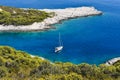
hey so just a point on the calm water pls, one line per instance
(89, 39)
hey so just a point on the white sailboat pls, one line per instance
(60, 47)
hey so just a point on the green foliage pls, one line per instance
(19, 65)
(16, 16)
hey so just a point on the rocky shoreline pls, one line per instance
(112, 61)
(60, 14)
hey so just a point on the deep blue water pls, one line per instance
(92, 40)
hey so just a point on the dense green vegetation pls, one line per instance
(17, 16)
(19, 65)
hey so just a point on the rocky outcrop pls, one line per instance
(60, 14)
(112, 61)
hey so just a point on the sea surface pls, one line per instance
(92, 40)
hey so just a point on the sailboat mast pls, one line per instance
(59, 39)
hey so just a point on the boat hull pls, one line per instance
(58, 49)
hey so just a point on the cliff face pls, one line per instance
(19, 65)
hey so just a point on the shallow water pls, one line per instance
(88, 39)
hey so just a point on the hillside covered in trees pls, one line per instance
(17, 16)
(19, 65)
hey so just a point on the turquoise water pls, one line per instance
(92, 40)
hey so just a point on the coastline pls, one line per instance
(37, 56)
(60, 14)
(42, 58)
(107, 63)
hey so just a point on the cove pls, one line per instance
(92, 40)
